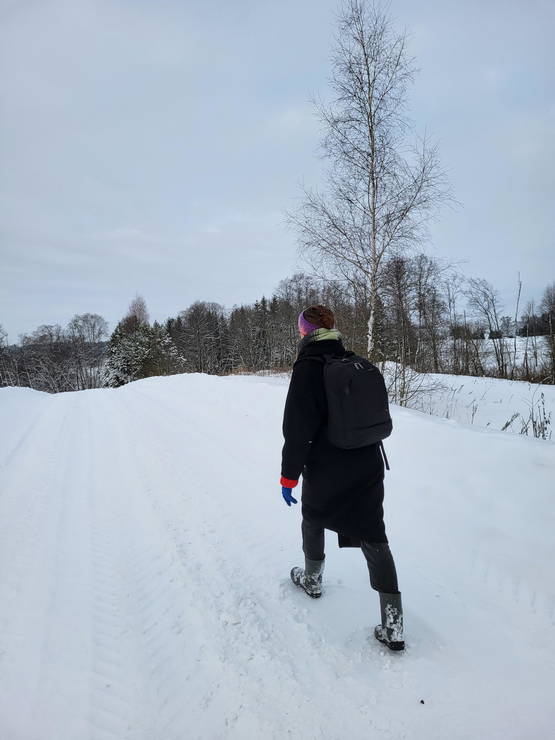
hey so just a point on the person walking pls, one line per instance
(342, 489)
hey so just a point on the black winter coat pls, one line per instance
(342, 489)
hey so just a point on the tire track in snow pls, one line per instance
(38, 415)
(145, 601)
(24, 509)
(113, 663)
(165, 659)
(179, 671)
(208, 591)
(61, 703)
(69, 629)
(40, 639)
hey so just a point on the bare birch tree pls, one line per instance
(484, 300)
(380, 190)
(86, 334)
(547, 305)
(138, 309)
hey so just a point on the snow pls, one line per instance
(485, 402)
(144, 591)
(517, 350)
(519, 353)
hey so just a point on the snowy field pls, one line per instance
(487, 402)
(144, 590)
(519, 352)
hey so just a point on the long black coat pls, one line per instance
(342, 489)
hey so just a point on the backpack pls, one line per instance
(358, 407)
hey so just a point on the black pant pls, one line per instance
(381, 566)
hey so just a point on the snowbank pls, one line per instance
(493, 403)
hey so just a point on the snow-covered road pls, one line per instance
(144, 591)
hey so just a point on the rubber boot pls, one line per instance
(309, 579)
(390, 631)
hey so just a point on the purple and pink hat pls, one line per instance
(305, 327)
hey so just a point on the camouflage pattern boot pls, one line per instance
(390, 631)
(309, 579)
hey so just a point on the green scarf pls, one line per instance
(320, 334)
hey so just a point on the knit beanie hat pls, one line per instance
(315, 317)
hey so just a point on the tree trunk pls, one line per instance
(371, 348)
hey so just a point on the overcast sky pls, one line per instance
(152, 147)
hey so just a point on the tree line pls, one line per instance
(427, 318)
(56, 359)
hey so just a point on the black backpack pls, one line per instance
(358, 407)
